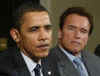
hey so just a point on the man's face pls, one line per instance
(74, 35)
(35, 35)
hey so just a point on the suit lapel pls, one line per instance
(89, 63)
(19, 64)
(22, 72)
(46, 69)
(65, 66)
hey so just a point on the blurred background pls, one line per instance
(55, 7)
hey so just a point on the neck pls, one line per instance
(35, 59)
(71, 52)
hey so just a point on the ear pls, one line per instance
(15, 35)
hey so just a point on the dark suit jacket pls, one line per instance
(97, 50)
(12, 64)
(66, 68)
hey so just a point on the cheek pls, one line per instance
(29, 41)
(31, 38)
(29, 45)
(49, 37)
(67, 37)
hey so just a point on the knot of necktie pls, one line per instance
(78, 62)
(37, 70)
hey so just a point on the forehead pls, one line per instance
(36, 17)
(77, 20)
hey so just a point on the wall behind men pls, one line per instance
(56, 8)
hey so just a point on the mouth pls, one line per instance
(44, 46)
(76, 42)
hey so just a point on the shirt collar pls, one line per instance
(29, 62)
(69, 55)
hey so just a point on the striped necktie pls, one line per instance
(37, 70)
(80, 68)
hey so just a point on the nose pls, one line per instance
(77, 35)
(43, 35)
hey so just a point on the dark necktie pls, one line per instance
(37, 70)
(80, 68)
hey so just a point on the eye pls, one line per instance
(84, 31)
(48, 27)
(71, 27)
(33, 29)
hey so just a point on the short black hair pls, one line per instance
(79, 11)
(22, 9)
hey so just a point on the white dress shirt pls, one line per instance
(30, 64)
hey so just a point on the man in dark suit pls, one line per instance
(32, 32)
(76, 26)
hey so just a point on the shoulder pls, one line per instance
(89, 54)
(91, 57)
(6, 63)
(7, 56)
(52, 57)
(92, 62)
(7, 53)
(55, 50)
(50, 62)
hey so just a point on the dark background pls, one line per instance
(6, 8)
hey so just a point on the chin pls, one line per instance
(43, 55)
(75, 52)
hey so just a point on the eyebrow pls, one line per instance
(48, 25)
(35, 26)
(71, 25)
